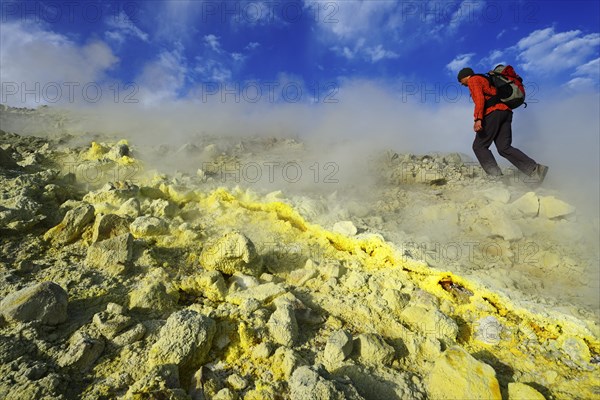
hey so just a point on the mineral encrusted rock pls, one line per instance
(458, 375)
(373, 350)
(551, 207)
(184, 340)
(338, 348)
(82, 353)
(72, 225)
(107, 226)
(521, 391)
(283, 326)
(148, 226)
(306, 384)
(232, 253)
(45, 302)
(112, 255)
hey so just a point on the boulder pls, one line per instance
(458, 375)
(111, 255)
(527, 205)
(130, 208)
(209, 284)
(551, 207)
(283, 326)
(338, 348)
(521, 391)
(45, 302)
(148, 226)
(232, 253)
(152, 297)
(306, 384)
(430, 322)
(110, 324)
(184, 340)
(107, 226)
(6, 161)
(71, 227)
(373, 350)
(82, 353)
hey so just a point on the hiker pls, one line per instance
(493, 124)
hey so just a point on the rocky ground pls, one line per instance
(138, 271)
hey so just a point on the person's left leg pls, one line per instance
(503, 143)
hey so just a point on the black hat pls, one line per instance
(463, 73)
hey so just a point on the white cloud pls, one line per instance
(459, 62)
(549, 52)
(122, 26)
(176, 20)
(252, 46)
(350, 20)
(379, 53)
(462, 15)
(212, 41)
(212, 70)
(494, 58)
(591, 68)
(30, 55)
(163, 78)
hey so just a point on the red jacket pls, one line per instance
(481, 90)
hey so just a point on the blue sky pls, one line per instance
(183, 49)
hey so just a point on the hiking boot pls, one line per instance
(540, 172)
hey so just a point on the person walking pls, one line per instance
(493, 125)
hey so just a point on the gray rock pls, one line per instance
(232, 253)
(306, 384)
(118, 151)
(374, 350)
(184, 340)
(111, 255)
(162, 381)
(132, 335)
(109, 324)
(82, 353)
(283, 326)
(148, 226)
(107, 226)
(45, 302)
(6, 161)
(72, 225)
(130, 208)
(153, 298)
(338, 347)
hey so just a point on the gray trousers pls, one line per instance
(497, 129)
